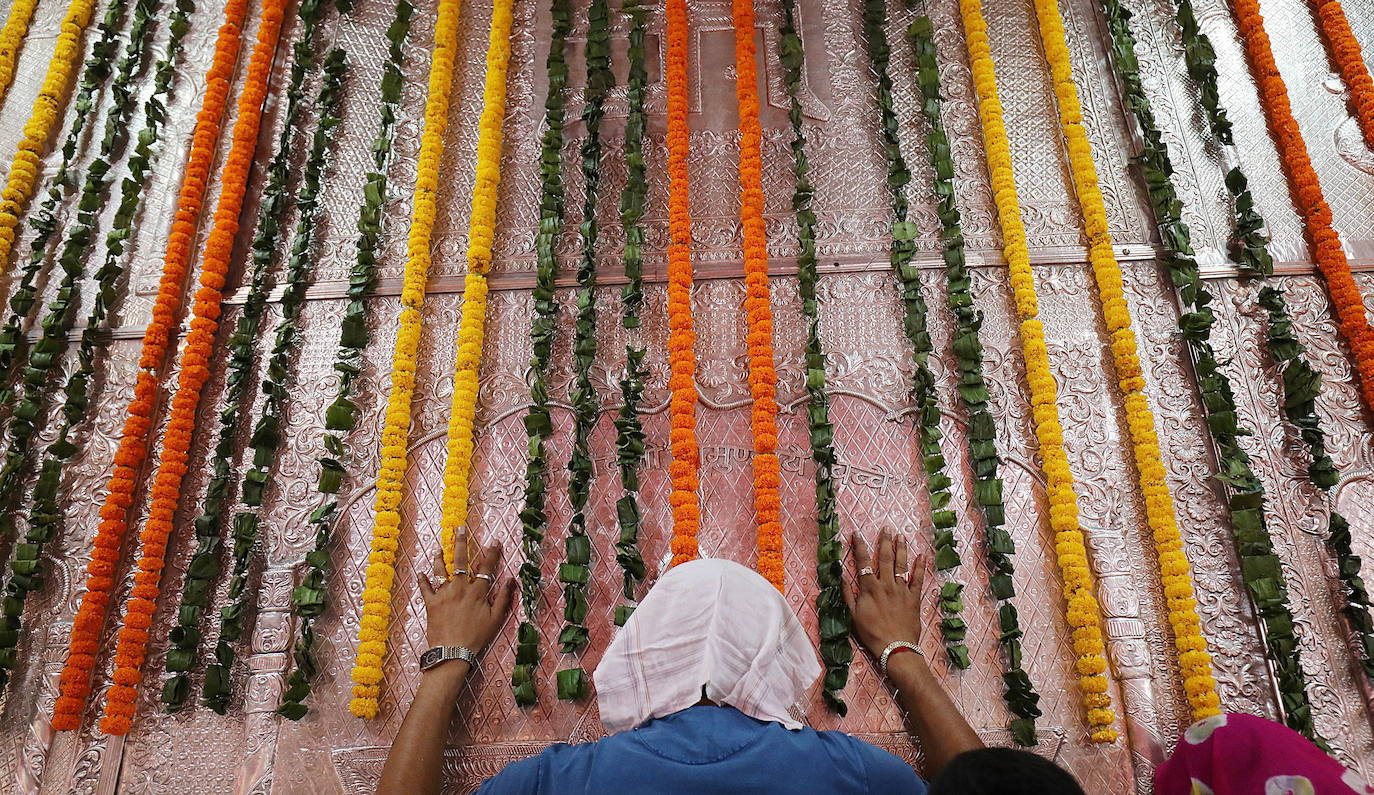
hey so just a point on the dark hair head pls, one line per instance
(1003, 771)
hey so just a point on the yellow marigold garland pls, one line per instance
(376, 613)
(481, 233)
(1083, 612)
(12, 40)
(46, 115)
(1194, 660)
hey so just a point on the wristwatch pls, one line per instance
(440, 654)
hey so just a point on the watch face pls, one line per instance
(430, 658)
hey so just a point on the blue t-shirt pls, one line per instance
(710, 749)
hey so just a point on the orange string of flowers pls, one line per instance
(195, 371)
(75, 681)
(763, 377)
(1345, 52)
(1307, 195)
(682, 362)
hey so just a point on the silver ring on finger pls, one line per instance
(905, 577)
(866, 570)
(482, 575)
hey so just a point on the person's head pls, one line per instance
(1243, 753)
(711, 624)
(1003, 771)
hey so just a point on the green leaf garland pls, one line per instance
(1020, 695)
(1261, 567)
(1249, 248)
(575, 571)
(534, 520)
(915, 326)
(309, 598)
(203, 571)
(835, 623)
(629, 439)
(267, 431)
(30, 406)
(44, 222)
(26, 565)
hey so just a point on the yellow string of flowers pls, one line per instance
(481, 232)
(46, 114)
(1175, 572)
(1083, 612)
(12, 40)
(381, 561)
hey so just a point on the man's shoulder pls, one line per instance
(884, 768)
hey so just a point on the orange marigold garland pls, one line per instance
(763, 377)
(1349, 61)
(176, 442)
(1307, 195)
(682, 363)
(75, 681)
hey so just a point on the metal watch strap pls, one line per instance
(891, 647)
(439, 654)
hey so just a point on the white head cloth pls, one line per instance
(708, 622)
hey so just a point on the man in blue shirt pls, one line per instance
(700, 679)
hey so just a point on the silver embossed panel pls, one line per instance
(251, 750)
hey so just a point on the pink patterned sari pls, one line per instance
(1236, 754)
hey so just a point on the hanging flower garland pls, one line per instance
(26, 566)
(471, 329)
(376, 608)
(12, 40)
(132, 648)
(44, 221)
(629, 439)
(575, 571)
(1349, 60)
(75, 680)
(29, 398)
(1195, 663)
(1301, 383)
(1260, 566)
(372, 632)
(1307, 195)
(914, 324)
(1020, 695)
(202, 573)
(308, 599)
(267, 435)
(763, 377)
(538, 423)
(47, 113)
(682, 362)
(835, 623)
(1083, 613)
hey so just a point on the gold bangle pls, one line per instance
(893, 646)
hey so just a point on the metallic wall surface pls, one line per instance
(251, 750)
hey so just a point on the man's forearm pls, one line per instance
(936, 722)
(414, 765)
